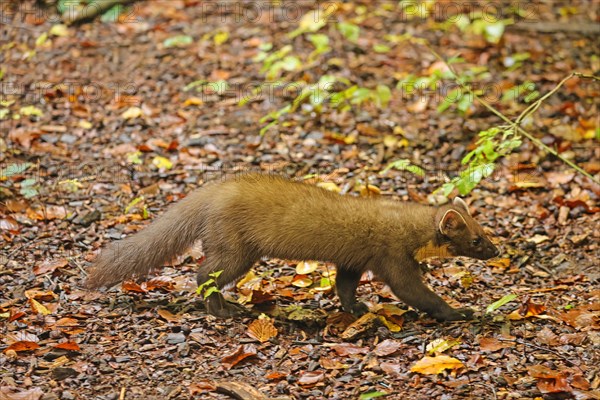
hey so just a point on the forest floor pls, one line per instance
(105, 124)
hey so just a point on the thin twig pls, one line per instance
(528, 110)
(535, 346)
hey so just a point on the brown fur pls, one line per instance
(251, 216)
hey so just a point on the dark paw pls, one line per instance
(457, 314)
(359, 309)
(224, 309)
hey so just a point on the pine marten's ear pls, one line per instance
(460, 203)
(451, 221)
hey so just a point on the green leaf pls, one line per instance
(14, 169)
(215, 274)
(29, 188)
(493, 32)
(133, 203)
(381, 48)
(319, 40)
(497, 304)
(207, 283)
(349, 31)
(404, 165)
(371, 395)
(210, 290)
(178, 41)
(194, 84)
(384, 95)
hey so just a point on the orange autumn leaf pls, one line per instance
(130, 286)
(262, 329)
(70, 346)
(435, 365)
(22, 345)
(528, 309)
(240, 354)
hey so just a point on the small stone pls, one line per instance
(175, 338)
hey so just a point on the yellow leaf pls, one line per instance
(162, 162)
(193, 101)
(329, 186)
(132, 113)
(306, 267)
(435, 365)
(85, 124)
(59, 30)
(440, 345)
(220, 38)
(302, 281)
(38, 307)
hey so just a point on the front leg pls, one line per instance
(408, 286)
(345, 284)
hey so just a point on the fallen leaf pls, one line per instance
(493, 344)
(346, 349)
(70, 346)
(9, 393)
(262, 329)
(306, 267)
(132, 113)
(22, 346)
(169, 316)
(387, 347)
(49, 266)
(38, 307)
(130, 286)
(243, 352)
(310, 378)
(440, 345)
(548, 380)
(435, 365)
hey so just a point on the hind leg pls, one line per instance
(232, 269)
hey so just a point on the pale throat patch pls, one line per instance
(430, 250)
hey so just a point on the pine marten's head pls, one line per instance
(463, 235)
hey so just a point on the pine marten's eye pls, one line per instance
(477, 241)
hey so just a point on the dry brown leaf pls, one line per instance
(387, 347)
(262, 329)
(168, 315)
(493, 344)
(346, 349)
(243, 352)
(549, 381)
(311, 378)
(49, 266)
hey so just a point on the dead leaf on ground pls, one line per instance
(493, 344)
(387, 347)
(548, 380)
(22, 346)
(436, 365)
(311, 378)
(243, 352)
(262, 329)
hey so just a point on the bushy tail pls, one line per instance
(167, 237)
